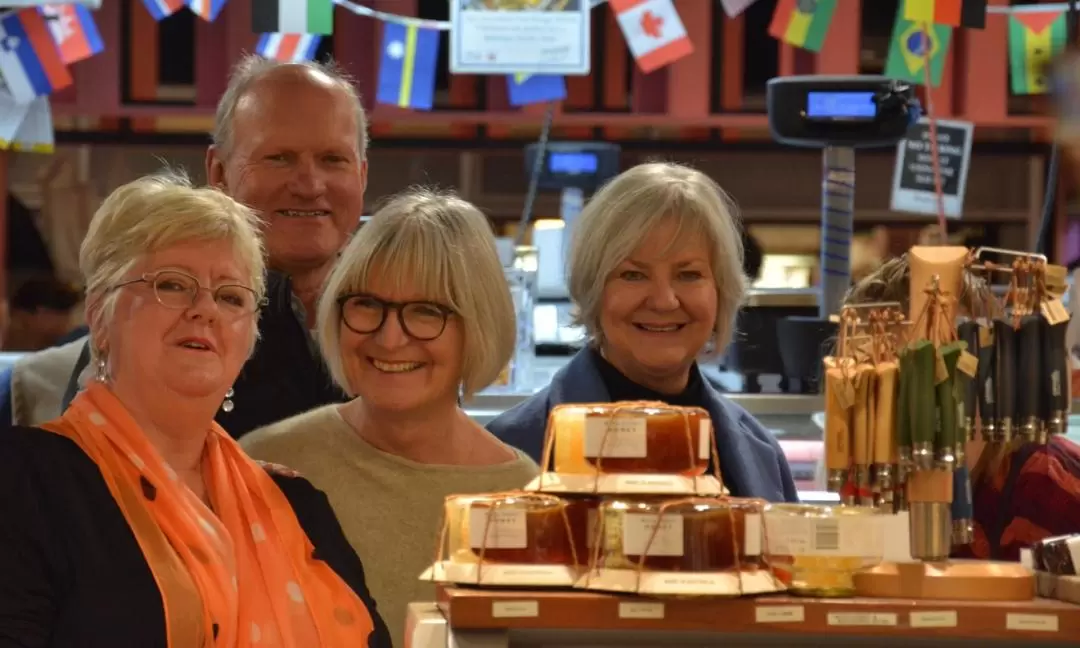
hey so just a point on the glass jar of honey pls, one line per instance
(631, 437)
(817, 550)
(680, 535)
(513, 528)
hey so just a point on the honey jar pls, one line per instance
(631, 437)
(514, 528)
(680, 535)
(817, 550)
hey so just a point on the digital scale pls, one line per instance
(838, 114)
(575, 169)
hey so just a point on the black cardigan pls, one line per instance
(72, 574)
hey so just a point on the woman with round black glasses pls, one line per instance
(416, 313)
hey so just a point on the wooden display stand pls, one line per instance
(791, 621)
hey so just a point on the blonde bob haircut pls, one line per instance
(442, 247)
(626, 211)
(151, 214)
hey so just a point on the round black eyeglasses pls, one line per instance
(421, 320)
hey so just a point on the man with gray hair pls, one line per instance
(290, 141)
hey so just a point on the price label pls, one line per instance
(779, 614)
(933, 619)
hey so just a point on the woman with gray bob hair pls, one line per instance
(172, 535)
(655, 270)
(416, 313)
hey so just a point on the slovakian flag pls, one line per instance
(208, 10)
(653, 32)
(73, 30)
(288, 48)
(292, 17)
(802, 23)
(955, 13)
(535, 88)
(162, 9)
(29, 59)
(407, 70)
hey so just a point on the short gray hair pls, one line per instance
(154, 213)
(251, 68)
(446, 246)
(625, 212)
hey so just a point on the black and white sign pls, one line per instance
(914, 189)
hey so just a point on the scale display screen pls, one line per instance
(574, 163)
(841, 105)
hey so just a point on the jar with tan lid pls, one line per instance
(642, 437)
(680, 546)
(817, 550)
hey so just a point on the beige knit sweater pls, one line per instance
(389, 507)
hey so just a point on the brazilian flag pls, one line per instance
(907, 52)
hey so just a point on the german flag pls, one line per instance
(955, 13)
(802, 23)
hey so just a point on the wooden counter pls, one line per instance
(1039, 620)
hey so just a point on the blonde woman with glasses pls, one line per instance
(416, 313)
(134, 519)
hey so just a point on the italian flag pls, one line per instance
(802, 23)
(292, 17)
(1035, 38)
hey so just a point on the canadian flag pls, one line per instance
(653, 32)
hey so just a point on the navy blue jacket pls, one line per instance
(751, 461)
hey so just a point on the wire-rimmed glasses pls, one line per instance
(179, 291)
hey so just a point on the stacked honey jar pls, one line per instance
(630, 500)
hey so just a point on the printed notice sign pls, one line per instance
(914, 189)
(513, 37)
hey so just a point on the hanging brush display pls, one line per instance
(861, 394)
(944, 389)
(1023, 360)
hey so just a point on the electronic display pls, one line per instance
(840, 105)
(572, 162)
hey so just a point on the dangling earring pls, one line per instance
(101, 372)
(228, 405)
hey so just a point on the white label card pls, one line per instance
(933, 619)
(705, 439)
(506, 529)
(638, 531)
(779, 614)
(752, 541)
(636, 610)
(1038, 622)
(862, 618)
(619, 437)
(838, 536)
(515, 609)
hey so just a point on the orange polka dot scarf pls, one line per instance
(241, 575)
